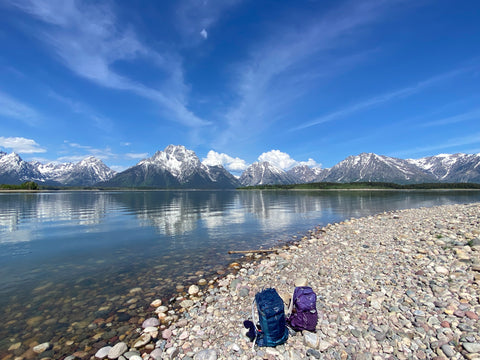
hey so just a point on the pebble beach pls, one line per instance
(397, 285)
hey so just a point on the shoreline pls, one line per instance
(401, 284)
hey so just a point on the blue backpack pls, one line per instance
(272, 329)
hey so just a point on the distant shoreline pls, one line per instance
(240, 189)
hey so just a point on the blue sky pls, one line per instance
(238, 81)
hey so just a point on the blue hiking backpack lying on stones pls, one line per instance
(272, 329)
(302, 312)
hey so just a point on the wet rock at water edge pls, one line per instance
(117, 350)
(142, 340)
(150, 322)
(41, 348)
(102, 353)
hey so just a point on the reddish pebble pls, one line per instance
(445, 324)
(471, 315)
(167, 334)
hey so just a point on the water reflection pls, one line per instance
(23, 217)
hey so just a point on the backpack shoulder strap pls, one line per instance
(290, 306)
(253, 313)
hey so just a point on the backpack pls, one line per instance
(271, 319)
(303, 309)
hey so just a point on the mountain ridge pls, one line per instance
(178, 167)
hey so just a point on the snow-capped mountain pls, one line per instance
(178, 167)
(451, 167)
(264, 173)
(305, 174)
(14, 170)
(175, 167)
(87, 172)
(373, 167)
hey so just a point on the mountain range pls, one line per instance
(89, 171)
(178, 167)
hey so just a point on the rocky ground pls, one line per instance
(398, 285)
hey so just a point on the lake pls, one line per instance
(69, 257)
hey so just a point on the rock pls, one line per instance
(117, 350)
(186, 304)
(156, 354)
(142, 340)
(129, 354)
(202, 282)
(310, 339)
(193, 290)
(448, 350)
(41, 348)
(243, 292)
(172, 352)
(161, 309)
(314, 353)
(301, 282)
(208, 354)
(441, 270)
(167, 334)
(102, 353)
(324, 345)
(15, 346)
(471, 315)
(471, 347)
(156, 303)
(376, 300)
(150, 322)
(151, 330)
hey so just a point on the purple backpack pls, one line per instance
(303, 309)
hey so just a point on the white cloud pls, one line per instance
(204, 34)
(310, 163)
(233, 164)
(12, 108)
(284, 161)
(21, 145)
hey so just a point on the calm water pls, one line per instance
(93, 246)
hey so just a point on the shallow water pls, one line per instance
(65, 255)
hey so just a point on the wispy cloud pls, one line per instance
(77, 152)
(470, 115)
(383, 98)
(15, 109)
(100, 121)
(87, 39)
(21, 145)
(449, 144)
(136, 155)
(281, 68)
(194, 18)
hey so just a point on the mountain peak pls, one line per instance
(263, 173)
